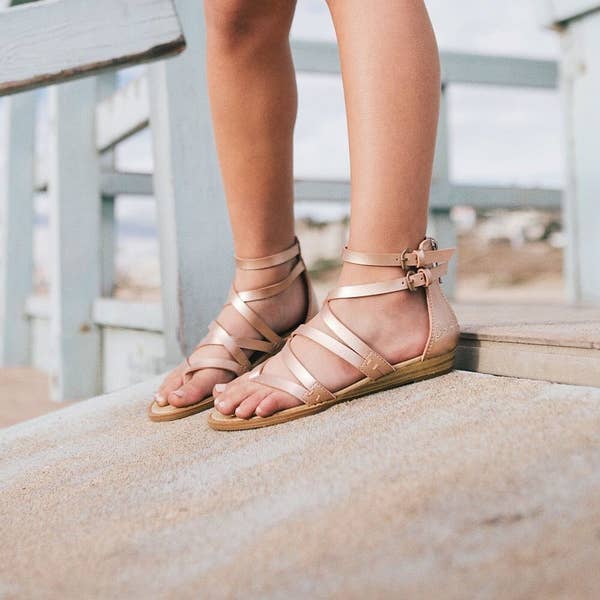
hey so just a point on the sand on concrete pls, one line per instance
(467, 486)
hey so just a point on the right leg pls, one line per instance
(253, 97)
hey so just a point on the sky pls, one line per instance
(503, 136)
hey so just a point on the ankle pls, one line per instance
(251, 279)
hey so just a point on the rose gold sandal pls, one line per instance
(262, 349)
(423, 268)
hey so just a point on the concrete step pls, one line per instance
(555, 343)
(464, 486)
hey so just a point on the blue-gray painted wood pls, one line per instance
(51, 41)
(16, 226)
(457, 67)
(581, 93)
(195, 240)
(75, 225)
(106, 86)
(440, 224)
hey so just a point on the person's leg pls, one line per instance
(253, 98)
(391, 76)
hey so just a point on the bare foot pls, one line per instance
(396, 325)
(281, 313)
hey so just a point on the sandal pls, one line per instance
(424, 268)
(270, 344)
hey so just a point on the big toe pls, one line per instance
(192, 392)
(170, 383)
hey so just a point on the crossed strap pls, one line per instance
(430, 263)
(238, 362)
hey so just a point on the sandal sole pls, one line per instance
(406, 372)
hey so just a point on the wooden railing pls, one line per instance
(80, 329)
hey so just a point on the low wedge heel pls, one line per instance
(260, 349)
(423, 268)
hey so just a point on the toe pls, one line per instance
(189, 393)
(274, 402)
(234, 395)
(170, 383)
(247, 407)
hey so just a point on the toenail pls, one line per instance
(159, 399)
(219, 387)
(258, 411)
(179, 393)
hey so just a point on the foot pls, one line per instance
(395, 325)
(282, 313)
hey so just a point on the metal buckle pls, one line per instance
(403, 258)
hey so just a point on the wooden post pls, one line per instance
(440, 223)
(195, 240)
(581, 91)
(107, 84)
(17, 148)
(75, 237)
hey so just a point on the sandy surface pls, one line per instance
(24, 394)
(468, 486)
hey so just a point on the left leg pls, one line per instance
(391, 76)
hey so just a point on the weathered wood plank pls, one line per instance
(107, 83)
(457, 67)
(581, 90)
(440, 225)
(122, 114)
(54, 40)
(195, 240)
(76, 241)
(16, 226)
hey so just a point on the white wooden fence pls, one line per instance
(91, 342)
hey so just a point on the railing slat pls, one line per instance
(195, 240)
(75, 237)
(16, 226)
(123, 113)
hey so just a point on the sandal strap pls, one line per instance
(406, 259)
(373, 365)
(315, 394)
(430, 264)
(251, 264)
(276, 288)
(218, 335)
(424, 277)
(212, 363)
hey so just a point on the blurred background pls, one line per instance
(505, 136)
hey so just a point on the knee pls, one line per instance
(236, 23)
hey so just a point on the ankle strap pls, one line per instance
(406, 259)
(251, 264)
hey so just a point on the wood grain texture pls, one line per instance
(54, 40)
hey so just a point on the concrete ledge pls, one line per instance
(558, 343)
(463, 486)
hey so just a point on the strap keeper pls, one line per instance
(404, 258)
(410, 284)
